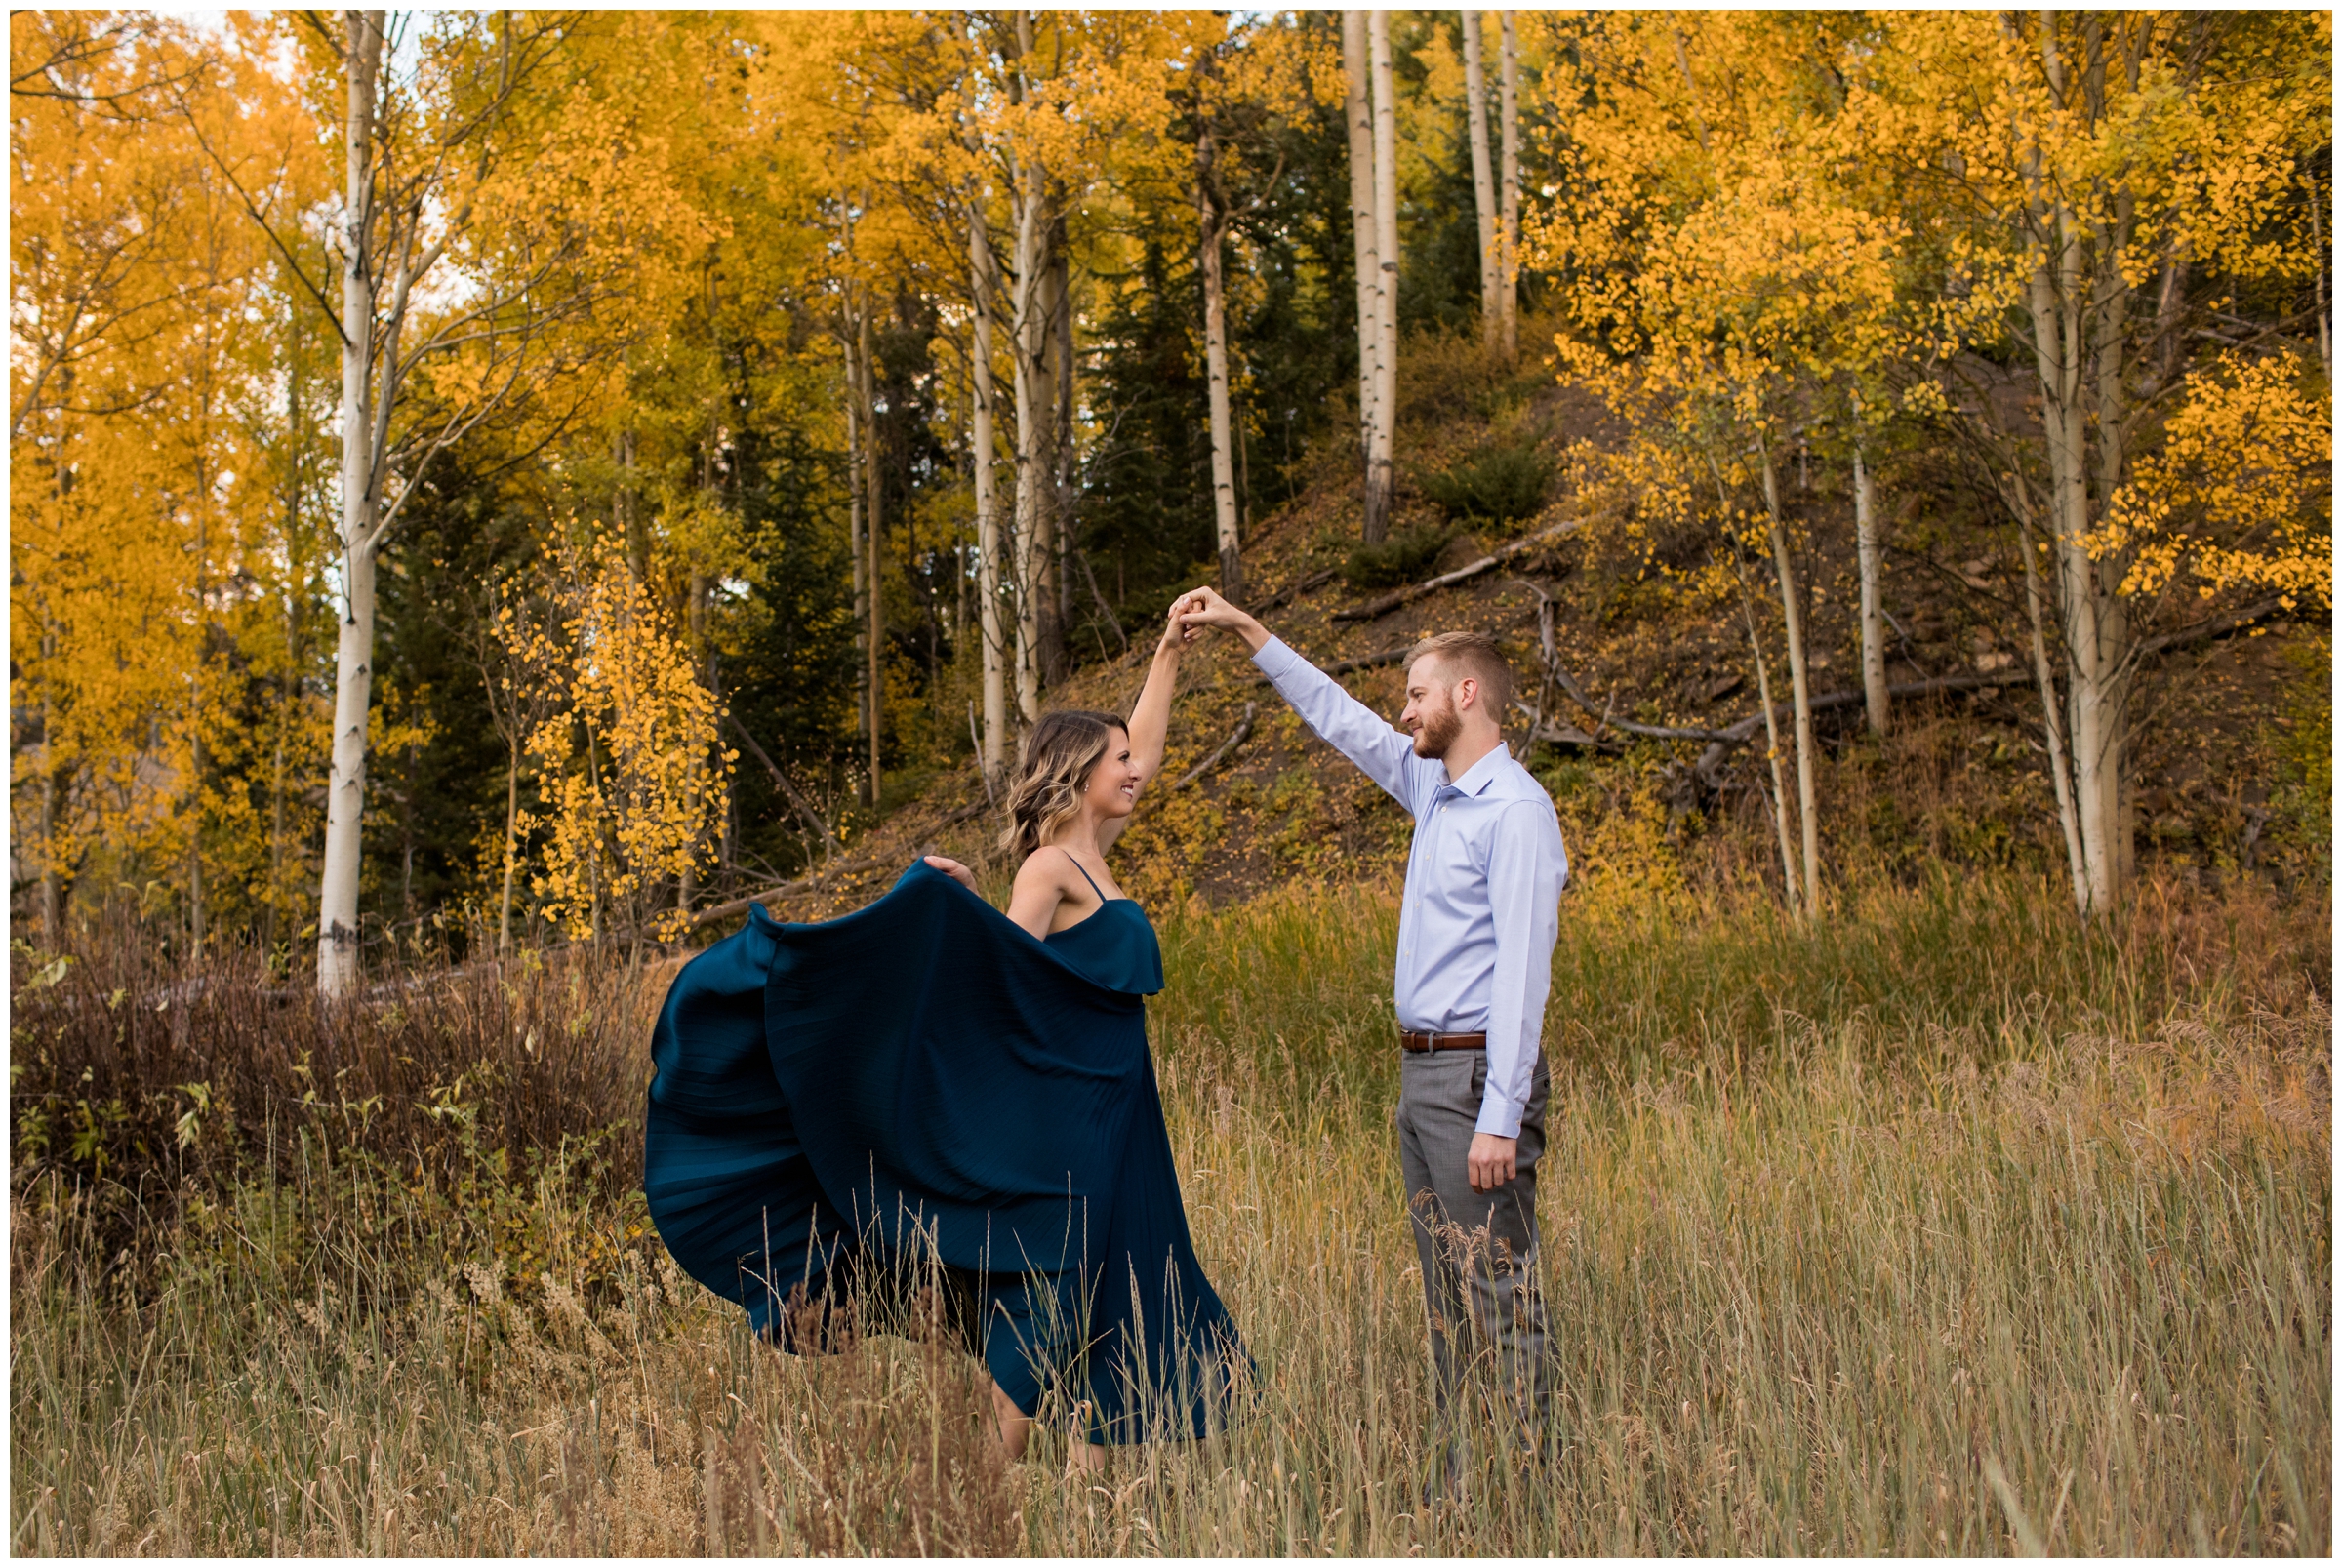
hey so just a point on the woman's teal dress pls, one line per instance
(922, 1079)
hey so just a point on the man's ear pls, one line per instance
(1467, 694)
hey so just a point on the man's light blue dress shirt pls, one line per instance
(1484, 875)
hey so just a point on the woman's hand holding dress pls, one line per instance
(954, 870)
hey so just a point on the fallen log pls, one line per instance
(1462, 573)
(1555, 733)
(2217, 626)
(1235, 739)
(1293, 590)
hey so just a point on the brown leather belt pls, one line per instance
(1417, 1040)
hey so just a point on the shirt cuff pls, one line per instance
(1499, 1116)
(1275, 658)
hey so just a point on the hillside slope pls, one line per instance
(1958, 782)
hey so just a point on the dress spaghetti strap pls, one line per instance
(1102, 900)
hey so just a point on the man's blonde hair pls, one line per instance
(1474, 653)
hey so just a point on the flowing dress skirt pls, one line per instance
(922, 1083)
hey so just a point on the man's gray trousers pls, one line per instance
(1478, 1249)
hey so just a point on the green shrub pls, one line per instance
(1501, 482)
(1402, 558)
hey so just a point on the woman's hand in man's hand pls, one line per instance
(1176, 637)
(1201, 607)
(953, 870)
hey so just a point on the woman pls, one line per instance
(925, 1078)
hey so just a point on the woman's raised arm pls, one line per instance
(1150, 719)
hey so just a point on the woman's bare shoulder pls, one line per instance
(1045, 867)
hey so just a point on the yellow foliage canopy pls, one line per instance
(627, 795)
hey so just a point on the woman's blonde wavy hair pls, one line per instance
(1059, 754)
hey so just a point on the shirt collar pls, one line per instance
(1481, 774)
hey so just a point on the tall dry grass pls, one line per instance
(1938, 1228)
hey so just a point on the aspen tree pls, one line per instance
(1483, 183)
(94, 280)
(2053, 729)
(633, 807)
(1868, 567)
(361, 543)
(1357, 118)
(1034, 388)
(514, 648)
(2124, 171)
(1800, 889)
(439, 161)
(1379, 476)
(1800, 694)
(1210, 221)
(982, 290)
(1233, 93)
(1508, 254)
(1058, 90)
(1750, 283)
(1055, 440)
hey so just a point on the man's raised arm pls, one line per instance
(1347, 725)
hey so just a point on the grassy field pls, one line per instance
(1938, 1228)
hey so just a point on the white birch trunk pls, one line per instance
(354, 651)
(1507, 240)
(1483, 180)
(987, 503)
(1357, 114)
(1032, 399)
(2091, 616)
(1385, 247)
(1062, 494)
(2064, 419)
(1867, 565)
(2060, 777)
(1801, 696)
(1051, 444)
(1791, 882)
(1215, 352)
(384, 262)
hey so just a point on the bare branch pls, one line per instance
(1463, 574)
(789, 792)
(261, 217)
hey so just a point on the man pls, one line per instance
(1476, 945)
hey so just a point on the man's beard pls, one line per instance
(1439, 730)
